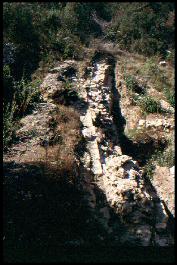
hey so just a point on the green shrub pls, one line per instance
(9, 125)
(131, 82)
(19, 28)
(19, 97)
(154, 74)
(136, 89)
(151, 67)
(165, 158)
(26, 93)
(150, 105)
(8, 91)
(149, 168)
(170, 95)
(143, 27)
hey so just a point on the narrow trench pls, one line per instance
(141, 152)
(107, 225)
(116, 226)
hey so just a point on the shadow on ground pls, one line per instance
(46, 218)
(43, 209)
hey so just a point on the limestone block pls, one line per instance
(141, 122)
(172, 170)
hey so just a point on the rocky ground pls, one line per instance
(159, 127)
(132, 210)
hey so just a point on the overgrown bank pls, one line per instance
(37, 34)
(63, 203)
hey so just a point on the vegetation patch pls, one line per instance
(154, 74)
(150, 105)
(163, 158)
(65, 97)
(19, 98)
(170, 95)
(133, 86)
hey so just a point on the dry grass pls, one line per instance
(67, 126)
(147, 70)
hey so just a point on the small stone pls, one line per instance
(118, 150)
(162, 63)
(141, 122)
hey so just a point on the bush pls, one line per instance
(170, 95)
(154, 74)
(20, 30)
(8, 89)
(26, 94)
(151, 67)
(149, 105)
(8, 53)
(19, 97)
(165, 158)
(9, 125)
(149, 169)
(143, 27)
(131, 82)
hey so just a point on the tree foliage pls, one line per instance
(147, 28)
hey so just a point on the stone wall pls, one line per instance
(116, 174)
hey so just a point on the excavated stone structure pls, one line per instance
(141, 214)
(141, 217)
(118, 175)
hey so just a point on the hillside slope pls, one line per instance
(88, 131)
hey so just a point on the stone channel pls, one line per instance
(141, 212)
(132, 213)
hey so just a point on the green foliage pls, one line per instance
(170, 95)
(149, 169)
(153, 73)
(26, 93)
(165, 158)
(151, 67)
(131, 82)
(34, 27)
(39, 32)
(20, 30)
(9, 125)
(143, 27)
(8, 91)
(68, 85)
(149, 105)
(19, 97)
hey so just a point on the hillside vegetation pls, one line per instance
(81, 82)
(37, 34)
